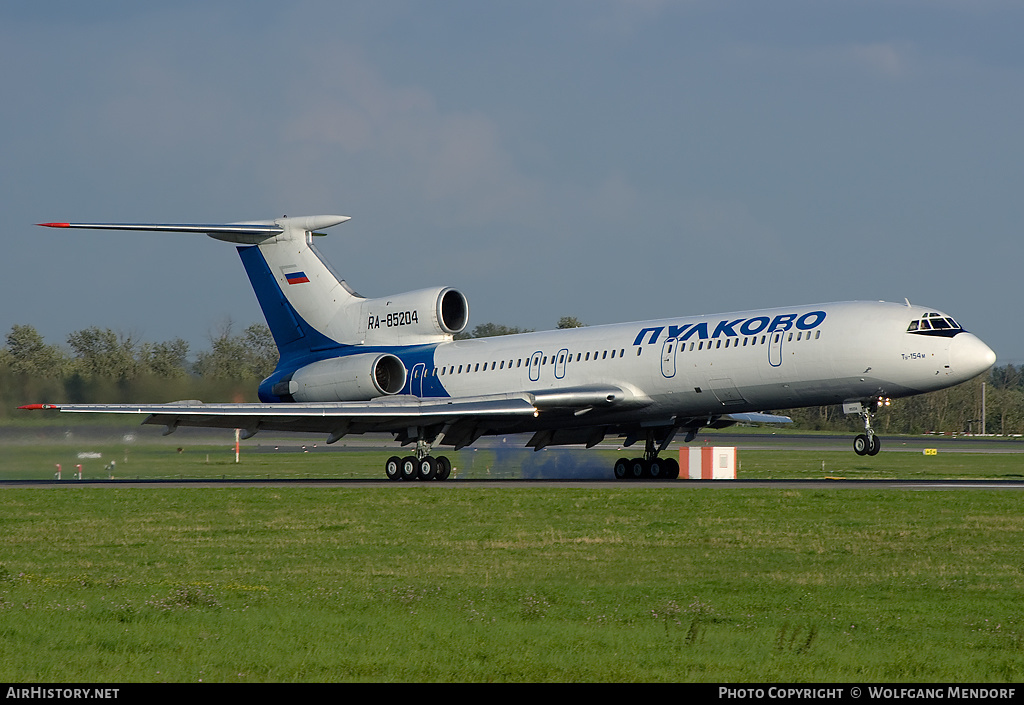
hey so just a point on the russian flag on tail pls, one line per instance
(296, 277)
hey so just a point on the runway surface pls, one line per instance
(681, 485)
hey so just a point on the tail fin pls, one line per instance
(307, 306)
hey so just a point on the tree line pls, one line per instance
(99, 365)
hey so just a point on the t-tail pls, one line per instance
(312, 313)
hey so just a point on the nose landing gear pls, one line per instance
(867, 443)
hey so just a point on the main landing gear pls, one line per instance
(422, 466)
(413, 468)
(650, 466)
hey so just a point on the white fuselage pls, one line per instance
(734, 362)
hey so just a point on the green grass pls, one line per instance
(448, 582)
(444, 583)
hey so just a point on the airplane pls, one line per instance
(351, 365)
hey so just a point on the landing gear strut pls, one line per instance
(650, 466)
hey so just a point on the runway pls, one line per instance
(455, 484)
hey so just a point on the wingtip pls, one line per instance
(54, 225)
(34, 407)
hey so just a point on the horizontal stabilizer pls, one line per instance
(251, 232)
(228, 228)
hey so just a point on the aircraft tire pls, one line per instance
(622, 469)
(637, 469)
(876, 445)
(861, 445)
(393, 468)
(656, 469)
(410, 468)
(426, 469)
(444, 467)
(671, 469)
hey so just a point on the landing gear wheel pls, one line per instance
(409, 467)
(426, 468)
(861, 444)
(656, 469)
(622, 468)
(671, 469)
(876, 445)
(444, 467)
(393, 468)
(637, 469)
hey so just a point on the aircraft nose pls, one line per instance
(969, 356)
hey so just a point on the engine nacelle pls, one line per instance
(424, 316)
(351, 378)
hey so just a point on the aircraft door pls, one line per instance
(668, 357)
(535, 366)
(416, 386)
(563, 354)
(775, 348)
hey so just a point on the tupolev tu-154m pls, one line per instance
(351, 365)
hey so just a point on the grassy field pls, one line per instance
(435, 582)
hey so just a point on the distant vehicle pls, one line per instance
(351, 365)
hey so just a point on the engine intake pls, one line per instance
(415, 317)
(351, 378)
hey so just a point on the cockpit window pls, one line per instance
(935, 324)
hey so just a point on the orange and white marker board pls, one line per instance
(707, 463)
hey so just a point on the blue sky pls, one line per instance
(607, 159)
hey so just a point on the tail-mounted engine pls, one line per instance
(425, 316)
(351, 378)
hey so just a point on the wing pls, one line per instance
(460, 421)
(556, 417)
(390, 414)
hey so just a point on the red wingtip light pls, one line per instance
(55, 225)
(33, 407)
